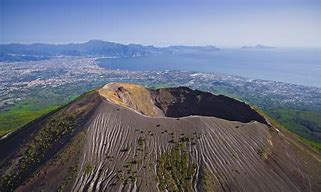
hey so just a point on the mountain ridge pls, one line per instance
(97, 48)
(106, 141)
(258, 46)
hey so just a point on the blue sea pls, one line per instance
(297, 66)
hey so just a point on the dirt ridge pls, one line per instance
(121, 145)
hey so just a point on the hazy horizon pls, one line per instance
(167, 45)
(277, 23)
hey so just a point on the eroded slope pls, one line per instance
(121, 141)
(127, 151)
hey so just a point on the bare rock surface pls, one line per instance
(125, 137)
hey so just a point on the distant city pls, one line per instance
(17, 79)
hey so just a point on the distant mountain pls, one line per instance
(124, 137)
(181, 48)
(15, 52)
(259, 46)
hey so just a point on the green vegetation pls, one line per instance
(46, 141)
(175, 169)
(39, 101)
(70, 157)
(298, 122)
(301, 119)
(304, 123)
(20, 114)
(208, 182)
(264, 153)
(313, 144)
(88, 168)
(51, 133)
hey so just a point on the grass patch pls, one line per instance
(285, 119)
(88, 168)
(264, 153)
(304, 123)
(40, 101)
(20, 114)
(208, 182)
(175, 170)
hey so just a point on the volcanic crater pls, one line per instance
(125, 137)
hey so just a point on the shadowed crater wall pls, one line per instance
(183, 101)
(117, 138)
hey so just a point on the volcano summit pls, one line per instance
(125, 137)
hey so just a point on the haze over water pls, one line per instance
(297, 66)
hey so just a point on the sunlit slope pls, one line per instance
(113, 143)
(131, 96)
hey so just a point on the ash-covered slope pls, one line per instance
(119, 139)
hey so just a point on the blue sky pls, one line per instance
(282, 23)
